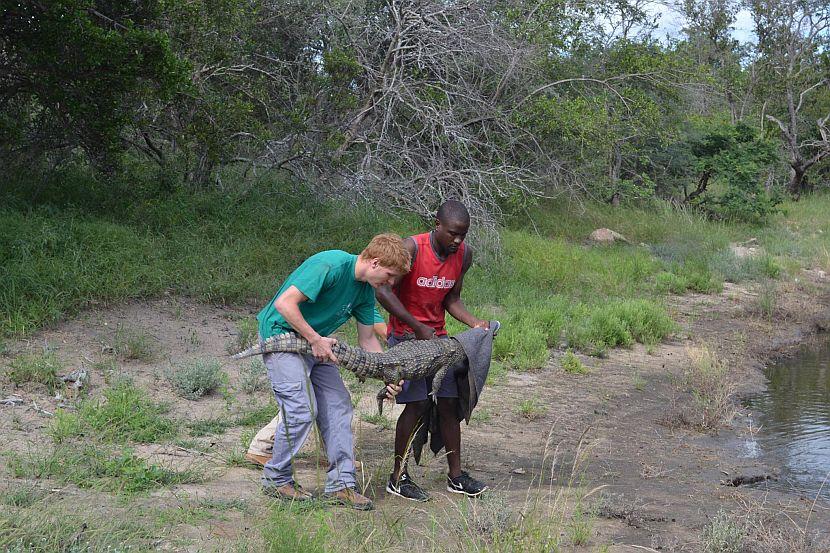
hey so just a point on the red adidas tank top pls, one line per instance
(423, 289)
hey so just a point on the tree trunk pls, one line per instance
(797, 182)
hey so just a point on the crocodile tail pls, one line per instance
(255, 349)
(288, 342)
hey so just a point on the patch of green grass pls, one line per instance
(638, 382)
(133, 343)
(235, 457)
(699, 278)
(734, 269)
(482, 415)
(70, 526)
(36, 368)
(531, 409)
(618, 323)
(196, 378)
(69, 237)
(25, 495)
(255, 417)
(297, 527)
(497, 373)
(206, 427)
(125, 413)
(665, 281)
(196, 512)
(104, 469)
(571, 364)
(259, 416)
(107, 365)
(377, 419)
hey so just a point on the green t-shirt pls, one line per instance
(327, 280)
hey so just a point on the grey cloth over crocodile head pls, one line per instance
(477, 344)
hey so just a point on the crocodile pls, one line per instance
(408, 360)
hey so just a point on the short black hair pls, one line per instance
(453, 210)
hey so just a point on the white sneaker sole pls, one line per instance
(462, 492)
(390, 489)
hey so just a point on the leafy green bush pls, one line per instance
(618, 323)
(734, 155)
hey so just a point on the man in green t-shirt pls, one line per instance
(318, 297)
(261, 448)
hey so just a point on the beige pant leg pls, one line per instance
(263, 442)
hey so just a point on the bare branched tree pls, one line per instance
(792, 38)
(433, 121)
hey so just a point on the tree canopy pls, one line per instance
(410, 102)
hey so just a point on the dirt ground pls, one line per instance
(613, 433)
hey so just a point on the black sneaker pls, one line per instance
(406, 488)
(465, 484)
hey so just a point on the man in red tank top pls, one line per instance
(417, 305)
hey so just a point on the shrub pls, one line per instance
(722, 535)
(196, 378)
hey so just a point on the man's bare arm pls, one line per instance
(288, 305)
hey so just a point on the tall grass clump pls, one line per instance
(124, 414)
(712, 391)
(247, 331)
(297, 527)
(252, 377)
(36, 368)
(196, 378)
(133, 343)
(665, 281)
